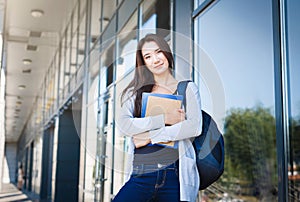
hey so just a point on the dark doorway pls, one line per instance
(68, 154)
(47, 158)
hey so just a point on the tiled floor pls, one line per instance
(10, 193)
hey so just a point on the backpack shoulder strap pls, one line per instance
(181, 88)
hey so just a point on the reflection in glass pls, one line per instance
(197, 3)
(293, 31)
(90, 140)
(81, 40)
(110, 7)
(68, 54)
(127, 45)
(155, 14)
(236, 46)
(109, 144)
(94, 64)
(107, 63)
(74, 42)
(55, 68)
(62, 67)
(75, 19)
(121, 157)
(95, 20)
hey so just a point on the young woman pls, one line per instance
(159, 173)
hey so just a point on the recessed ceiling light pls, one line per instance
(37, 13)
(105, 19)
(21, 87)
(35, 34)
(27, 61)
(31, 47)
(26, 71)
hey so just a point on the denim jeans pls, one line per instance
(149, 183)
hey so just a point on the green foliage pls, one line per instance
(250, 145)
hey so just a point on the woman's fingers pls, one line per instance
(174, 116)
(141, 140)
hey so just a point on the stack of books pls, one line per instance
(155, 104)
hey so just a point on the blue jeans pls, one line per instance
(149, 183)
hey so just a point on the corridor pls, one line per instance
(11, 193)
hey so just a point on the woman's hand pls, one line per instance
(174, 116)
(141, 139)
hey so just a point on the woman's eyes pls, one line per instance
(158, 51)
(147, 57)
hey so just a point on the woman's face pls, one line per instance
(154, 58)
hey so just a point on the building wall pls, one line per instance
(10, 163)
(223, 47)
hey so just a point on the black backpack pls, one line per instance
(209, 146)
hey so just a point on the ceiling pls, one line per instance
(22, 35)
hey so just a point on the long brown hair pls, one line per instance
(143, 80)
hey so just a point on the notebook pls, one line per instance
(154, 104)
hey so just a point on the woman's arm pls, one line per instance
(190, 127)
(129, 125)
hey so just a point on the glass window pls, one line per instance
(293, 33)
(66, 67)
(127, 40)
(155, 14)
(62, 67)
(49, 90)
(110, 8)
(107, 61)
(82, 7)
(234, 69)
(121, 157)
(94, 64)
(90, 141)
(81, 40)
(68, 54)
(56, 68)
(75, 18)
(197, 3)
(74, 41)
(109, 147)
(96, 16)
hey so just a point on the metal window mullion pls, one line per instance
(181, 27)
(281, 101)
(77, 37)
(70, 52)
(57, 66)
(65, 61)
(202, 7)
(115, 55)
(86, 81)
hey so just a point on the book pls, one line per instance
(154, 104)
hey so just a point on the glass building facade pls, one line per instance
(242, 54)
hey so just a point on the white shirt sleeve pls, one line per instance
(128, 125)
(191, 127)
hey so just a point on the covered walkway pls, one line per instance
(11, 193)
